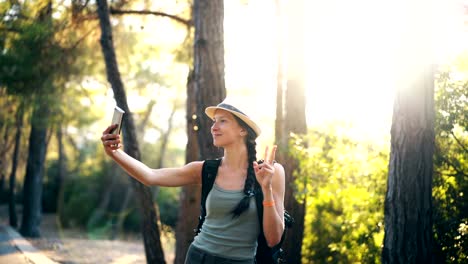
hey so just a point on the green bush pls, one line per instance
(342, 181)
(168, 203)
(81, 195)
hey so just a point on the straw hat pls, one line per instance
(227, 106)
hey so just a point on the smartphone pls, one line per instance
(117, 119)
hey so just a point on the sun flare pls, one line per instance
(356, 55)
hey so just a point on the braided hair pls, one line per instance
(249, 185)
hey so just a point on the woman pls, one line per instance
(231, 227)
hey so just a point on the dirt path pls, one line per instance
(73, 246)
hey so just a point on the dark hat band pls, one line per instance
(230, 107)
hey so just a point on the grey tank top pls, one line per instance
(224, 236)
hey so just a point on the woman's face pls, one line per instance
(226, 130)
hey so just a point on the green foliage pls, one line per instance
(30, 55)
(81, 195)
(342, 181)
(59, 56)
(451, 164)
(168, 202)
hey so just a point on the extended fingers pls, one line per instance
(273, 153)
(270, 157)
(266, 154)
(109, 129)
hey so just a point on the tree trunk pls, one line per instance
(32, 190)
(165, 138)
(408, 201)
(205, 87)
(62, 159)
(293, 120)
(190, 194)
(12, 198)
(280, 138)
(150, 227)
(208, 68)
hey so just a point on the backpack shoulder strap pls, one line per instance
(209, 172)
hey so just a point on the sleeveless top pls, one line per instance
(225, 236)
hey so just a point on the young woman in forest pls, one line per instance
(231, 226)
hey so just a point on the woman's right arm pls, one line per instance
(188, 174)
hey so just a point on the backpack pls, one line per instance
(264, 254)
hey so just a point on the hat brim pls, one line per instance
(210, 112)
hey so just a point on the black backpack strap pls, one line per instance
(209, 172)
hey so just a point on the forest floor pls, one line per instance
(73, 246)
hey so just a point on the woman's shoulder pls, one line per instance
(195, 164)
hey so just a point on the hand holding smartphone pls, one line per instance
(117, 119)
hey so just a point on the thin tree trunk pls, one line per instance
(294, 121)
(32, 190)
(62, 160)
(189, 195)
(280, 139)
(165, 138)
(150, 227)
(12, 198)
(121, 215)
(408, 201)
(205, 87)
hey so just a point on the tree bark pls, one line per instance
(293, 120)
(208, 68)
(205, 87)
(280, 138)
(150, 227)
(165, 138)
(62, 160)
(32, 190)
(12, 198)
(408, 201)
(190, 195)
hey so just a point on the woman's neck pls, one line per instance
(236, 158)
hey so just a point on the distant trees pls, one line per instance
(32, 64)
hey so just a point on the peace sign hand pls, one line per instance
(265, 170)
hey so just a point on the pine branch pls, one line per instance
(459, 142)
(186, 22)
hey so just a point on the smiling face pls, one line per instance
(226, 130)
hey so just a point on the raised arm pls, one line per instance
(273, 208)
(271, 177)
(188, 174)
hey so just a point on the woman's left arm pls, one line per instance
(273, 207)
(272, 179)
